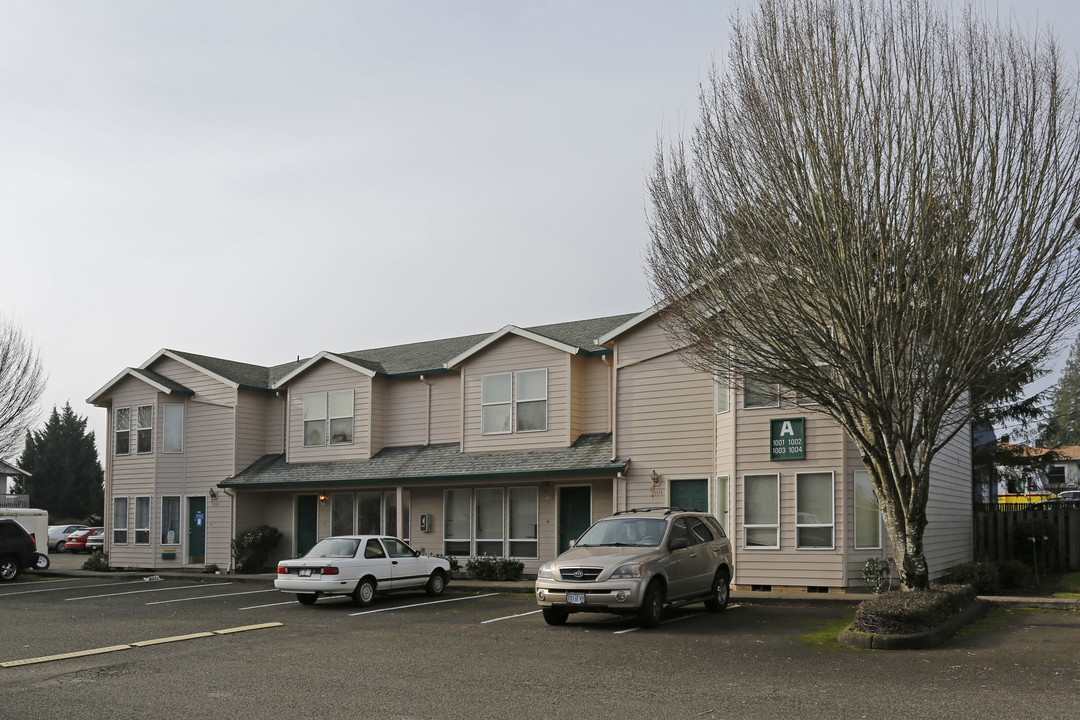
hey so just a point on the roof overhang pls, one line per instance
(157, 382)
(324, 355)
(512, 330)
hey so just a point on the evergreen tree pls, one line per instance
(66, 477)
(1063, 428)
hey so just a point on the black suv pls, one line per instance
(18, 551)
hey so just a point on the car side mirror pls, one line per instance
(679, 544)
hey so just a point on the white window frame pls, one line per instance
(534, 540)
(330, 417)
(722, 400)
(118, 518)
(747, 383)
(467, 521)
(314, 406)
(117, 430)
(164, 521)
(335, 499)
(518, 400)
(485, 403)
(832, 504)
(142, 529)
(489, 540)
(140, 429)
(722, 501)
(775, 526)
(855, 510)
(167, 422)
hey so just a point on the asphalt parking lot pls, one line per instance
(146, 648)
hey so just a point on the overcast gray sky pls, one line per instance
(265, 180)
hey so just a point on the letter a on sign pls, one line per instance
(787, 429)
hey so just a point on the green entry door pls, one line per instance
(575, 514)
(690, 494)
(307, 522)
(196, 530)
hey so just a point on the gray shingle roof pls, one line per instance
(173, 386)
(412, 358)
(590, 455)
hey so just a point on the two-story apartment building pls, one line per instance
(509, 443)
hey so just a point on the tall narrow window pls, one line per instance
(315, 419)
(369, 512)
(489, 521)
(142, 521)
(144, 429)
(531, 395)
(814, 510)
(120, 521)
(761, 511)
(457, 509)
(723, 393)
(867, 514)
(390, 513)
(170, 521)
(495, 396)
(523, 522)
(173, 428)
(722, 510)
(406, 517)
(341, 514)
(341, 417)
(122, 431)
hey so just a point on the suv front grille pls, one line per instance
(580, 574)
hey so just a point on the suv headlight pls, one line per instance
(627, 571)
(545, 572)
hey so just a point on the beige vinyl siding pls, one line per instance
(595, 396)
(445, 408)
(206, 388)
(577, 393)
(948, 539)
(327, 376)
(130, 475)
(510, 354)
(825, 452)
(665, 417)
(254, 411)
(406, 412)
(274, 440)
(380, 409)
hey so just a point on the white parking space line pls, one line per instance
(509, 617)
(260, 607)
(136, 592)
(423, 604)
(208, 597)
(636, 628)
(71, 587)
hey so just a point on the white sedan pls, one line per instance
(360, 566)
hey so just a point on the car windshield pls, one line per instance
(334, 548)
(630, 531)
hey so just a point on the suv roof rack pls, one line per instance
(668, 509)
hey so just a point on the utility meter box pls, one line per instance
(425, 522)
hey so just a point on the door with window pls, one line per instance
(196, 549)
(575, 514)
(690, 494)
(307, 522)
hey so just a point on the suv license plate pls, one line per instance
(575, 598)
(305, 573)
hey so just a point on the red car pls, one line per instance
(76, 541)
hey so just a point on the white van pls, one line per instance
(35, 522)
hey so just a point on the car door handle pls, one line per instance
(393, 562)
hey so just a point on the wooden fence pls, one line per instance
(1005, 535)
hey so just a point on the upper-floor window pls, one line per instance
(172, 420)
(513, 400)
(122, 431)
(328, 408)
(760, 395)
(144, 429)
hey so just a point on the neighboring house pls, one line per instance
(9, 472)
(509, 443)
(1040, 470)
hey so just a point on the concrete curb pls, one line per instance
(914, 641)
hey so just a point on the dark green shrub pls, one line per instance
(983, 576)
(902, 612)
(98, 561)
(487, 567)
(251, 548)
(455, 566)
(877, 572)
(1015, 574)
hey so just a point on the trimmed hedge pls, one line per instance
(904, 612)
(487, 567)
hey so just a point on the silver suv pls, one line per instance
(636, 562)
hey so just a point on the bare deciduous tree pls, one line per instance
(22, 380)
(878, 208)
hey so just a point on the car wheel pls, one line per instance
(720, 592)
(436, 583)
(60, 546)
(652, 605)
(41, 561)
(554, 616)
(307, 598)
(9, 568)
(364, 592)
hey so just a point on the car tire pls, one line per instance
(364, 593)
(9, 568)
(307, 598)
(720, 592)
(41, 561)
(436, 583)
(60, 546)
(652, 605)
(554, 616)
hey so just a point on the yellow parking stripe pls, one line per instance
(143, 643)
